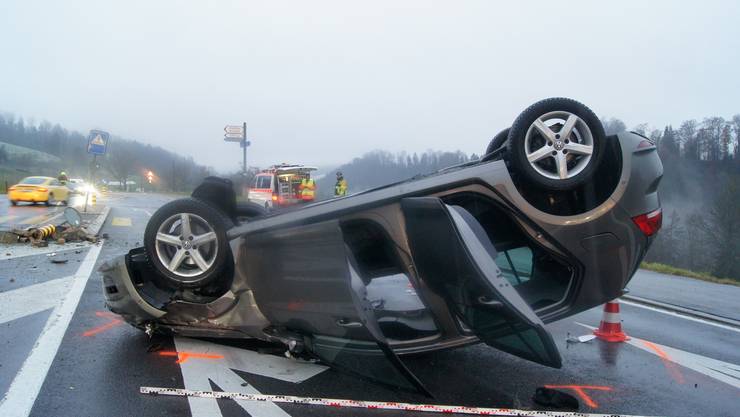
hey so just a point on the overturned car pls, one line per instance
(553, 220)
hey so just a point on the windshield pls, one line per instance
(33, 180)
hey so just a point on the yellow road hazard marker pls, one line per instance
(121, 221)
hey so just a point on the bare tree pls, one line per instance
(122, 164)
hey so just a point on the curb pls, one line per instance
(94, 227)
(683, 310)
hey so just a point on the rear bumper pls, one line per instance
(28, 196)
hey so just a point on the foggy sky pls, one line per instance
(322, 82)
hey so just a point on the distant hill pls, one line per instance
(22, 154)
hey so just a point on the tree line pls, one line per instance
(126, 160)
(700, 192)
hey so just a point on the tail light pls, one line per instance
(11, 188)
(649, 223)
(274, 197)
(42, 189)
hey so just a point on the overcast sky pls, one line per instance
(322, 82)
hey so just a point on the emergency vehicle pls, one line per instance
(279, 185)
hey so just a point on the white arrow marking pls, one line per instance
(196, 373)
(32, 299)
(26, 385)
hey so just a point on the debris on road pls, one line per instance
(59, 261)
(580, 339)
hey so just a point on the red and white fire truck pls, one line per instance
(280, 186)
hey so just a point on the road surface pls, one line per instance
(65, 355)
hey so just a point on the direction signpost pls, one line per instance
(97, 144)
(235, 133)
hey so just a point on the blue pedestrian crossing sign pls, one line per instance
(97, 142)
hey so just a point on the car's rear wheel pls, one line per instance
(498, 141)
(186, 242)
(49, 200)
(556, 143)
(13, 202)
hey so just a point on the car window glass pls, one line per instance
(55, 182)
(516, 264)
(33, 180)
(262, 181)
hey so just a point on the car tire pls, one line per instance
(558, 162)
(13, 203)
(498, 141)
(49, 199)
(178, 263)
(250, 210)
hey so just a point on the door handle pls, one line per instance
(349, 324)
(490, 303)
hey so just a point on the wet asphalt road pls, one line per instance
(100, 363)
(26, 214)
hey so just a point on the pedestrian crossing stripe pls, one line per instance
(121, 221)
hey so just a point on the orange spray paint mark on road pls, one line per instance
(184, 356)
(115, 321)
(667, 361)
(580, 390)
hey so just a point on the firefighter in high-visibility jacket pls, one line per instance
(340, 188)
(307, 189)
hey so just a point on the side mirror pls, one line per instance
(72, 216)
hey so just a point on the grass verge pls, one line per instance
(672, 270)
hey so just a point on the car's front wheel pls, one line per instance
(556, 143)
(186, 242)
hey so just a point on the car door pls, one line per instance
(454, 256)
(305, 280)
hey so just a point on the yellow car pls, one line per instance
(45, 190)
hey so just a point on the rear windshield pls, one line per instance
(33, 180)
(262, 181)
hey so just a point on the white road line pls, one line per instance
(726, 372)
(32, 299)
(26, 385)
(196, 374)
(19, 251)
(145, 211)
(683, 316)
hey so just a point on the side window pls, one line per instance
(263, 182)
(55, 182)
(516, 264)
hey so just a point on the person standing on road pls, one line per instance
(308, 190)
(340, 188)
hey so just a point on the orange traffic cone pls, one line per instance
(610, 329)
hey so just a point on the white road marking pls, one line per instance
(26, 385)
(683, 316)
(145, 211)
(197, 372)
(32, 299)
(21, 250)
(726, 372)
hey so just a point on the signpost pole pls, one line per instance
(244, 149)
